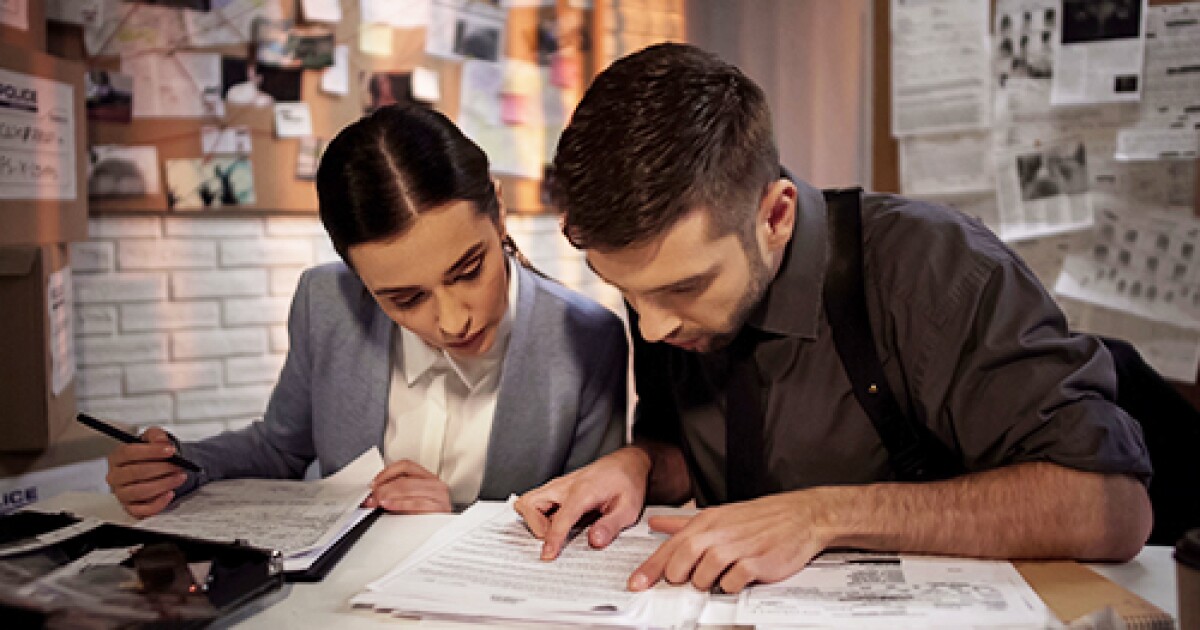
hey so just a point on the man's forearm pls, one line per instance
(669, 481)
(1033, 510)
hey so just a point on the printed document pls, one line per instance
(293, 517)
(486, 567)
(940, 66)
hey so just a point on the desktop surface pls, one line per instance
(392, 538)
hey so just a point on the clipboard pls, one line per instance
(334, 553)
(233, 574)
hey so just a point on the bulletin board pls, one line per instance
(272, 159)
(885, 162)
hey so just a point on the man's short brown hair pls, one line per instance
(659, 133)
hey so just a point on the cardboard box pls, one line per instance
(29, 14)
(37, 389)
(43, 148)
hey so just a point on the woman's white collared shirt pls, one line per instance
(440, 409)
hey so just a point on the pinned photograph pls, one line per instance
(387, 88)
(219, 182)
(246, 83)
(308, 158)
(122, 171)
(283, 45)
(194, 5)
(477, 40)
(465, 30)
(1100, 20)
(1059, 170)
(109, 96)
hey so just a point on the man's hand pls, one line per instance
(141, 478)
(764, 540)
(614, 485)
(405, 487)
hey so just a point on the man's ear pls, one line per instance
(777, 215)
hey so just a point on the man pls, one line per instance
(670, 181)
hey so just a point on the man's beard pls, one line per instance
(756, 288)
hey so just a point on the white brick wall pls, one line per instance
(182, 320)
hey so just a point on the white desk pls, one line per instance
(392, 538)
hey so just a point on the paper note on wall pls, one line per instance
(426, 85)
(293, 120)
(60, 311)
(37, 138)
(15, 13)
(176, 85)
(336, 78)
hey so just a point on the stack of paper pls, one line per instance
(486, 567)
(298, 518)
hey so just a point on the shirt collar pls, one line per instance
(792, 303)
(418, 357)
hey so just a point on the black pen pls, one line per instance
(129, 438)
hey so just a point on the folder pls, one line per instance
(1072, 590)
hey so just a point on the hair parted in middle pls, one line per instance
(660, 133)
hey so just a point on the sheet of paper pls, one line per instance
(1045, 256)
(940, 66)
(1174, 352)
(72, 11)
(290, 516)
(486, 566)
(1023, 60)
(887, 591)
(176, 85)
(426, 85)
(946, 163)
(464, 29)
(118, 171)
(304, 560)
(293, 120)
(15, 13)
(1171, 96)
(1043, 190)
(336, 78)
(519, 150)
(37, 138)
(1141, 185)
(322, 10)
(1100, 52)
(375, 40)
(60, 312)
(396, 13)
(230, 22)
(116, 28)
(234, 140)
(1143, 263)
(1139, 143)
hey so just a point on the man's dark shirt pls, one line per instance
(972, 345)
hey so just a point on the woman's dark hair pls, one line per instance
(384, 169)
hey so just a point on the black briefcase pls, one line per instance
(60, 571)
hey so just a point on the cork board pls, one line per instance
(273, 160)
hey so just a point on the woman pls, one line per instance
(475, 376)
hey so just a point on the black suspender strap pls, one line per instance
(914, 452)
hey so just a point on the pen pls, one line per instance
(129, 438)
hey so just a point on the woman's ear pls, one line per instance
(501, 209)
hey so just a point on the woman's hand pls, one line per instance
(404, 487)
(141, 478)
